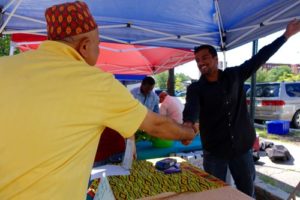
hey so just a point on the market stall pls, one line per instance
(146, 181)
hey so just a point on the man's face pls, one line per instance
(146, 89)
(206, 62)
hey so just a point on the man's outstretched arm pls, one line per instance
(166, 128)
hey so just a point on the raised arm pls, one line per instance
(292, 28)
(253, 64)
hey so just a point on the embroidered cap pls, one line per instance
(68, 19)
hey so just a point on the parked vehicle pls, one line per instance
(180, 94)
(277, 101)
(246, 86)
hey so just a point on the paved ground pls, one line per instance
(284, 175)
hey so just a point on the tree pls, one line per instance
(281, 73)
(161, 80)
(5, 45)
(180, 81)
(261, 75)
(274, 74)
(289, 77)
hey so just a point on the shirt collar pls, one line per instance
(203, 78)
(61, 49)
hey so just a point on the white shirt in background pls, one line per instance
(172, 107)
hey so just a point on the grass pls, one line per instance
(263, 134)
(293, 136)
(268, 180)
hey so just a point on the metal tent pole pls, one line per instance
(220, 26)
(171, 82)
(253, 84)
(11, 48)
(10, 15)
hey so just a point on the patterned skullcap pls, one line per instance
(68, 19)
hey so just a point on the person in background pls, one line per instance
(145, 94)
(55, 106)
(218, 101)
(170, 107)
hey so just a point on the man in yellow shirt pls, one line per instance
(54, 107)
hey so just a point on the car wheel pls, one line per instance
(296, 120)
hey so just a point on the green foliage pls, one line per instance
(274, 74)
(180, 78)
(263, 134)
(5, 46)
(161, 80)
(261, 75)
(281, 73)
(289, 77)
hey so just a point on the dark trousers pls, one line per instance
(241, 167)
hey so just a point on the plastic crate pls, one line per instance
(279, 127)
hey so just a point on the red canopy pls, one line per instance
(123, 58)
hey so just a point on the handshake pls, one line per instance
(165, 128)
(194, 127)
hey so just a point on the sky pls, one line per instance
(289, 53)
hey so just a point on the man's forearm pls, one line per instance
(164, 127)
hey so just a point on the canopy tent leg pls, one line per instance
(8, 5)
(171, 82)
(220, 25)
(221, 33)
(12, 48)
(224, 66)
(253, 84)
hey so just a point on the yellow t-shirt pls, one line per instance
(53, 109)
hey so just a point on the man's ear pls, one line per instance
(83, 46)
(217, 59)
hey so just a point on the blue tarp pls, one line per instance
(125, 77)
(145, 150)
(168, 23)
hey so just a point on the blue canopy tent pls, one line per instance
(185, 24)
(126, 79)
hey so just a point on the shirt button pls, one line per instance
(229, 114)
(227, 102)
(229, 124)
(232, 137)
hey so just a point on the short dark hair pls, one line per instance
(148, 80)
(210, 48)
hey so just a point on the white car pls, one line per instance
(277, 101)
